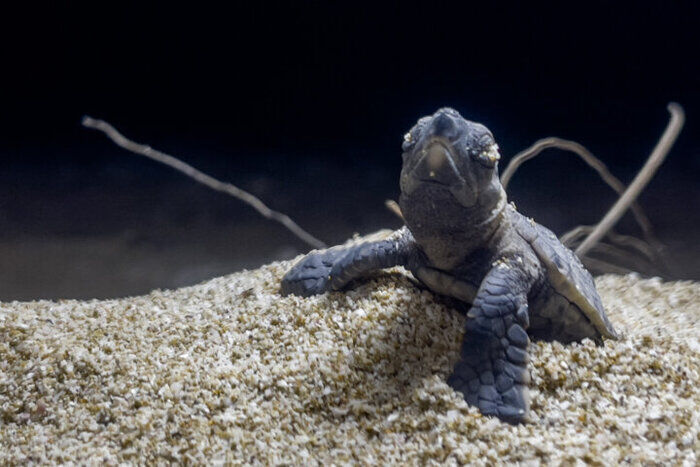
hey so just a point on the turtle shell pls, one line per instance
(565, 272)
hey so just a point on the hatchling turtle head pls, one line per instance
(446, 156)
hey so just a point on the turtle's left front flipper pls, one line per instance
(331, 269)
(492, 373)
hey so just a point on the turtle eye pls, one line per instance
(408, 141)
(489, 156)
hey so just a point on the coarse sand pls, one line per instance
(229, 370)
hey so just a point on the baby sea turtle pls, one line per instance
(462, 239)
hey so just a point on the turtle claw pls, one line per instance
(512, 415)
(311, 275)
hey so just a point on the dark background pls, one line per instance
(304, 105)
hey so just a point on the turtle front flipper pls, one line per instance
(311, 275)
(331, 269)
(492, 372)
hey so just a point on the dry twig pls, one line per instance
(645, 174)
(595, 163)
(587, 237)
(601, 266)
(620, 257)
(394, 207)
(577, 235)
(144, 150)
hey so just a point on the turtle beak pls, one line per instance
(437, 165)
(437, 161)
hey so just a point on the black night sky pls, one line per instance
(304, 104)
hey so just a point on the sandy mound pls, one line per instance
(229, 370)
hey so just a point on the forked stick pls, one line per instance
(645, 174)
(578, 234)
(394, 207)
(588, 157)
(144, 150)
(605, 267)
(620, 257)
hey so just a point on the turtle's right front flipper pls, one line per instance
(311, 275)
(331, 269)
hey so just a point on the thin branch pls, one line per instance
(620, 248)
(621, 257)
(595, 163)
(650, 167)
(575, 236)
(202, 178)
(604, 267)
(394, 207)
